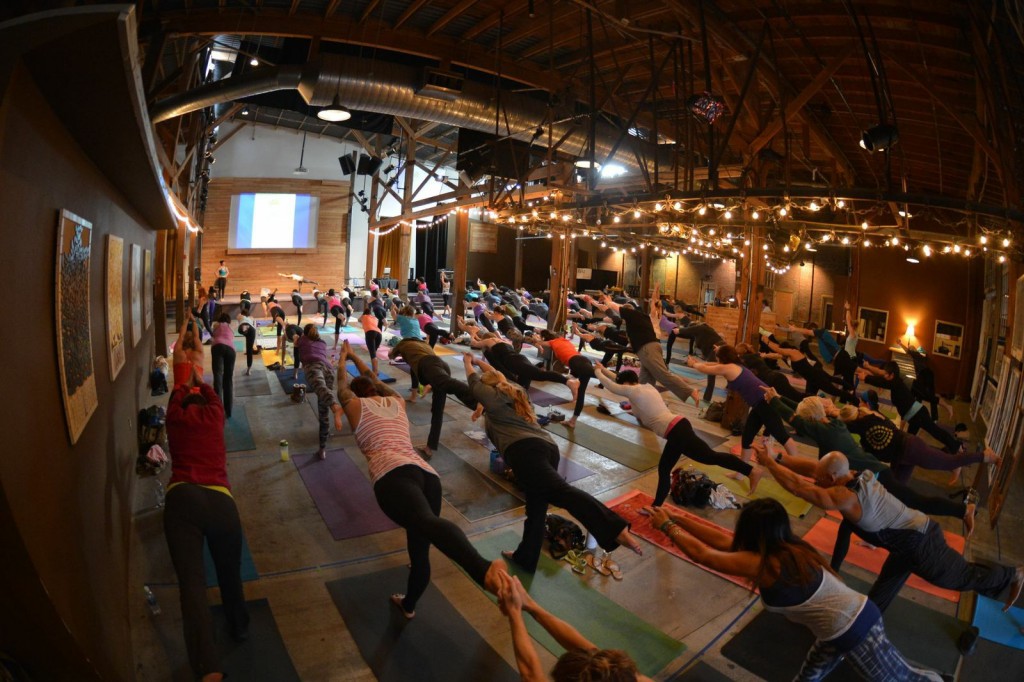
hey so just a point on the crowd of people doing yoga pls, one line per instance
(865, 478)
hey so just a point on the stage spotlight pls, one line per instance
(879, 138)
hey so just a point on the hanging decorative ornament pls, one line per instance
(706, 106)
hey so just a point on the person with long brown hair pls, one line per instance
(528, 449)
(796, 581)
(407, 489)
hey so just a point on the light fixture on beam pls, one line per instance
(334, 112)
(879, 138)
(587, 164)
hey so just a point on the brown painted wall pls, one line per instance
(65, 511)
(934, 289)
(252, 272)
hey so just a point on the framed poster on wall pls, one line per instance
(74, 332)
(136, 289)
(115, 304)
(147, 288)
(948, 340)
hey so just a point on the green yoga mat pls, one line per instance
(471, 492)
(237, 435)
(437, 645)
(767, 487)
(636, 457)
(598, 618)
(774, 648)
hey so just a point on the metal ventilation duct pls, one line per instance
(390, 88)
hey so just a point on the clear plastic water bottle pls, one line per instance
(769, 445)
(154, 607)
(285, 455)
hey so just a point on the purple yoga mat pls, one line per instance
(545, 399)
(570, 470)
(342, 494)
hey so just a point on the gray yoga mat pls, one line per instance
(470, 491)
(237, 434)
(700, 672)
(418, 412)
(774, 648)
(991, 661)
(436, 645)
(636, 457)
(262, 657)
(544, 399)
(246, 386)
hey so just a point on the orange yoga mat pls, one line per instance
(823, 538)
(628, 506)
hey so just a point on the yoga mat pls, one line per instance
(767, 487)
(598, 618)
(996, 626)
(544, 399)
(237, 435)
(570, 470)
(822, 536)
(628, 506)
(269, 330)
(248, 568)
(990, 657)
(774, 648)
(271, 356)
(288, 379)
(632, 455)
(418, 412)
(437, 645)
(239, 345)
(246, 386)
(342, 494)
(381, 376)
(262, 657)
(700, 672)
(713, 440)
(469, 490)
(441, 350)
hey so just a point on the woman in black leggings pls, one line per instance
(297, 302)
(609, 347)
(817, 379)
(753, 361)
(578, 365)
(407, 489)
(650, 409)
(247, 328)
(527, 448)
(503, 357)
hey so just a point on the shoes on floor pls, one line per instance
(321, 453)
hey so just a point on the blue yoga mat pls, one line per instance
(999, 627)
(237, 435)
(248, 571)
(381, 376)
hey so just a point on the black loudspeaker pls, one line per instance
(368, 165)
(348, 164)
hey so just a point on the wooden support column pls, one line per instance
(371, 238)
(517, 279)
(574, 250)
(461, 268)
(752, 277)
(405, 248)
(645, 274)
(853, 287)
(556, 302)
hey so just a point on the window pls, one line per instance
(872, 323)
(949, 338)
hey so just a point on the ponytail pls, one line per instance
(520, 401)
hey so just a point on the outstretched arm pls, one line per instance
(720, 558)
(797, 485)
(849, 319)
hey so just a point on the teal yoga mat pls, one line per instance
(636, 457)
(438, 645)
(996, 626)
(598, 618)
(237, 435)
(248, 568)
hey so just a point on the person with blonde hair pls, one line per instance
(311, 353)
(528, 449)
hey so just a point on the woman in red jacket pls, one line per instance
(199, 507)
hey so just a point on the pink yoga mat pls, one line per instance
(342, 494)
(628, 506)
(823, 538)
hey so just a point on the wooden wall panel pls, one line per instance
(253, 271)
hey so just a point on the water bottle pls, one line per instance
(285, 456)
(769, 445)
(154, 607)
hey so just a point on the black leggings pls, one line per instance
(194, 513)
(525, 372)
(924, 420)
(433, 332)
(535, 463)
(819, 380)
(427, 308)
(373, 339)
(763, 415)
(249, 332)
(521, 325)
(780, 383)
(223, 357)
(277, 317)
(411, 497)
(432, 371)
(583, 369)
(681, 440)
(932, 505)
(486, 323)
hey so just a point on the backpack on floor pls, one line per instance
(562, 535)
(734, 413)
(715, 411)
(691, 488)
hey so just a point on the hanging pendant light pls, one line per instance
(334, 112)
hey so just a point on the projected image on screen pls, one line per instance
(273, 221)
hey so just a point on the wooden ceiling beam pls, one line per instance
(294, 7)
(450, 16)
(492, 19)
(412, 9)
(368, 11)
(331, 6)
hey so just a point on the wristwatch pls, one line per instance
(778, 457)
